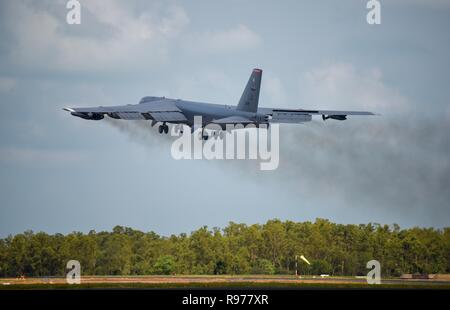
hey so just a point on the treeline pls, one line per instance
(237, 249)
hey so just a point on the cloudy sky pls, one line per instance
(60, 173)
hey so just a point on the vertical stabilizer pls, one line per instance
(250, 96)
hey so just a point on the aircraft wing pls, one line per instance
(159, 111)
(302, 115)
(232, 120)
(324, 112)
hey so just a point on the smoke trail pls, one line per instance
(389, 164)
(378, 164)
(141, 131)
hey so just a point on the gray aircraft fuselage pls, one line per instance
(210, 112)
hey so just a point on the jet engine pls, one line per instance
(336, 117)
(89, 115)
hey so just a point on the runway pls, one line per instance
(226, 281)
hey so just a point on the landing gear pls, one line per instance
(163, 128)
(217, 134)
(203, 135)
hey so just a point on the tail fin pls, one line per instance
(250, 96)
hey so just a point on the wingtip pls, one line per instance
(68, 109)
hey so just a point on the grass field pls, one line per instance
(217, 282)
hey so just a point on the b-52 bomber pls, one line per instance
(176, 111)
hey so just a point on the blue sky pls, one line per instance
(60, 173)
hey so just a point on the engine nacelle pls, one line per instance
(89, 115)
(336, 117)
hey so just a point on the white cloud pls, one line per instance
(175, 22)
(44, 40)
(273, 94)
(113, 36)
(236, 39)
(209, 86)
(7, 84)
(341, 86)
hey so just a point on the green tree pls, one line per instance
(264, 266)
(115, 257)
(164, 265)
(321, 266)
(237, 249)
